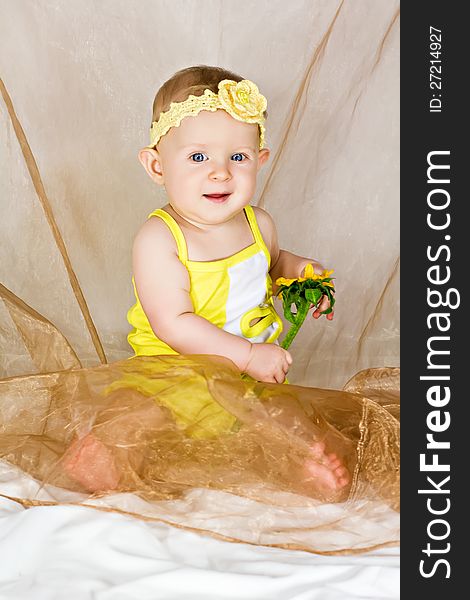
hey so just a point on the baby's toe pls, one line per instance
(335, 464)
(341, 471)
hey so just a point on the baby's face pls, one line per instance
(212, 153)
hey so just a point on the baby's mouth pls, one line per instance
(218, 198)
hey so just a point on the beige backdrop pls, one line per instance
(80, 78)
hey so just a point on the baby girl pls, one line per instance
(204, 264)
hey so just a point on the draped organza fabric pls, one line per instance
(239, 439)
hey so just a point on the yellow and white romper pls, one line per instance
(233, 293)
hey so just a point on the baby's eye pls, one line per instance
(238, 156)
(197, 157)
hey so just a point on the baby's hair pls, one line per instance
(192, 80)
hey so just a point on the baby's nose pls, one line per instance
(220, 171)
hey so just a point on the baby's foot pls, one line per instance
(92, 464)
(326, 469)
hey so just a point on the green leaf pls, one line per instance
(329, 293)
(289, 315)
(313, 295)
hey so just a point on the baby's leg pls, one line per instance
(323, 471)
(92, 464)
(326, 469)
(111, 455)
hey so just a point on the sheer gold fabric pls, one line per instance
(247, 439)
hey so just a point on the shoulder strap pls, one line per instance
(250, 215)
(175, 230)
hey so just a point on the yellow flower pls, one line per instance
(284, 281)
(309, 273)
(242, 100)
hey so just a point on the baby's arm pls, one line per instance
(284, 263)
(163, 285)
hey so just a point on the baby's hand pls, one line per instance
(324, 305)
(268, 363)
(325, 301)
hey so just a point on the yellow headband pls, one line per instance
(241, 100)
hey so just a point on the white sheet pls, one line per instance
(78, 553)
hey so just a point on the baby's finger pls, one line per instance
(269, 379)
(288, 357)
(330, 316)
(324, 303)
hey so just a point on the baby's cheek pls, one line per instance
(180, 182)
(249, 180)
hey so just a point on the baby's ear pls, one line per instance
(151, 162)
(263, 157)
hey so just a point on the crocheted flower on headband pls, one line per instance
(242, 100)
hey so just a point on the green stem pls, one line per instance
(300, 318)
